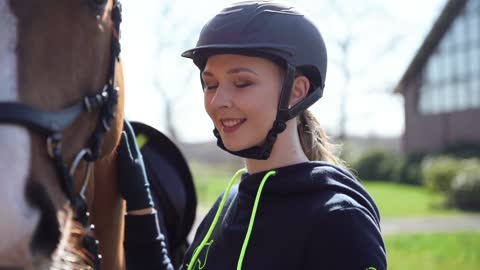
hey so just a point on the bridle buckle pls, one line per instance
(54, 145)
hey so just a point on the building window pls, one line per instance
(426, 105)
(451, 79)
(450, 98)
(473, 24)
(475, 60)
(476, 92)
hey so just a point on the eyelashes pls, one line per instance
(237, 85)
(243, 85)
(209, 87)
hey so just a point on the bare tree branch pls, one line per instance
(174, 32)
(350, 35)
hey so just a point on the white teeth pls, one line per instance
(231, 123)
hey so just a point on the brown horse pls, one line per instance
(53, 54)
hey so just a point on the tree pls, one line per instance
(174, 32)
(353, 26)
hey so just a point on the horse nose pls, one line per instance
(30, 233)
(18, 218)
(47, 233)
(18, 222)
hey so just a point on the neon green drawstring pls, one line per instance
(207, 242)
(252, 219)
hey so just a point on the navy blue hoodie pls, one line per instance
(310, 215)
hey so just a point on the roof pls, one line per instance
(451, 10)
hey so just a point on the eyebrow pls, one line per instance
(231, 71)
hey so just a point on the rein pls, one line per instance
(53, 124)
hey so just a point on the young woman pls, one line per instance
(262, 65)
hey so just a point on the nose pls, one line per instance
(221, 98)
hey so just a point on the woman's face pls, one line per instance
(241, 95)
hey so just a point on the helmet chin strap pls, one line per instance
(263, 151)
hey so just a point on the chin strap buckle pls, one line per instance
(279, 126)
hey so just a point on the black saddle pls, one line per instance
(172, 187)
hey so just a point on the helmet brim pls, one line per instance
(281, 51)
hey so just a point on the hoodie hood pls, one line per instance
(313, 178)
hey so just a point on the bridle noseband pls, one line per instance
(53, 124)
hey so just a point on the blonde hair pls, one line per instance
(314, 140)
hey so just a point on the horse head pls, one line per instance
(61, 110)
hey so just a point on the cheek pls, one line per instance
(262, 111)
(266, 101)
(207, 98)
(265, 118)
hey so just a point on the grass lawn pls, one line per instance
(210, 182)
(439, 251)
(396, 200)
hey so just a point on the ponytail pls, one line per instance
(314, 141)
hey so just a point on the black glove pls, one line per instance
(132, 177)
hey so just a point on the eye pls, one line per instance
(209, 87)
(209, 84)
(242, 84)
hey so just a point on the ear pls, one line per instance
(300, 88)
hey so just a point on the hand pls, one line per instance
(132, 177)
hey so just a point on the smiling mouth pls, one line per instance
(230, 125)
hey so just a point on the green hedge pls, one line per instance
(438, 173)
(465, 188)
(408, 170)
(435, 171)
(384, 165)
(462, 150)
(376, 165)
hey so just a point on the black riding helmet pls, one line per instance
(275, 31)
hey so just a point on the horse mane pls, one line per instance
(70, 253)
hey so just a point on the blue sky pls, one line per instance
(387, 34)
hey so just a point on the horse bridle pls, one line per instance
(53, 124)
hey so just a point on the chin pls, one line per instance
(231, 144)
(235, 145)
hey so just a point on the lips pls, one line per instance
(231, 124)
